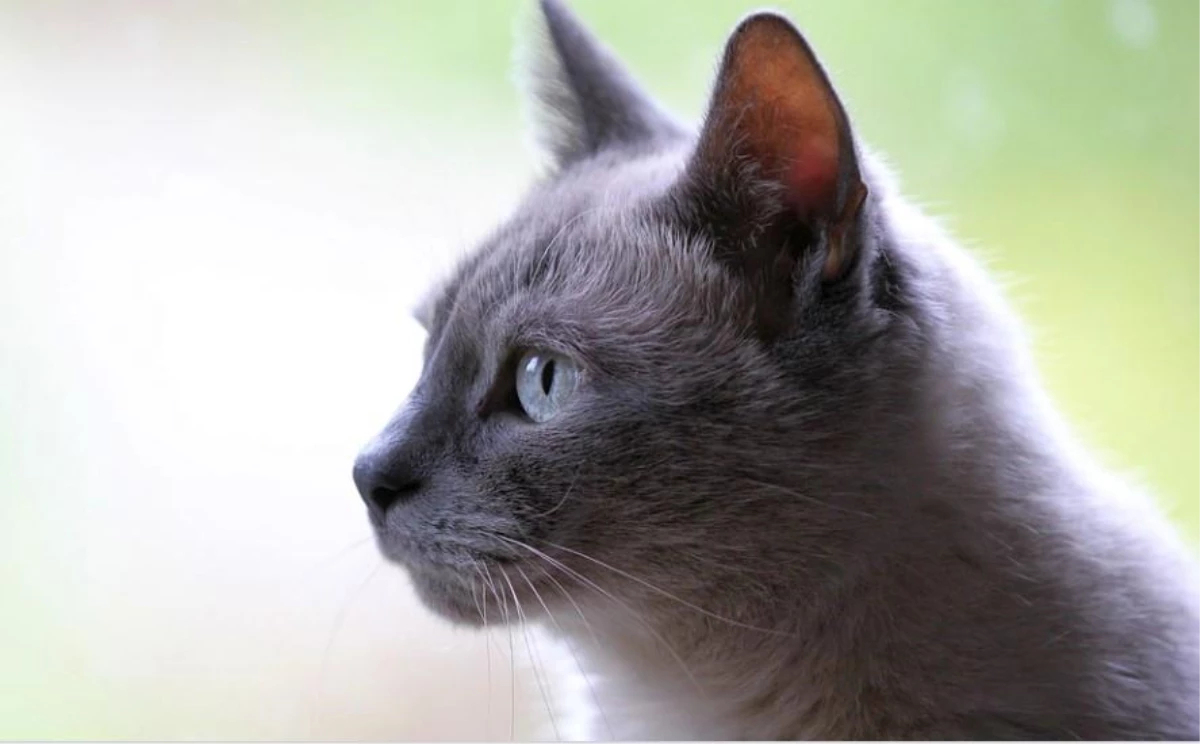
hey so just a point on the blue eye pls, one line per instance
(544, 383)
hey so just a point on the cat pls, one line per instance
(730, 417)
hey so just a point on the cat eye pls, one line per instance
(544, 383)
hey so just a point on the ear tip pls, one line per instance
(767, 21)
(564, 26)
(555, 12)
(768, 27)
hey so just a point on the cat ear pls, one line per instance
(583, 99)
(775, 122)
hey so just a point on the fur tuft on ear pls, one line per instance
(582, 99)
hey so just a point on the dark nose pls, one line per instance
(384, 478)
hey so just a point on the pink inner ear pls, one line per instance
(811, 177)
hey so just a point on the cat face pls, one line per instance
(641, 374)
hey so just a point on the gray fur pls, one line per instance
(870, 524)
(581, 97)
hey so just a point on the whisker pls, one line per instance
(329, 561)
(534, 657)
(566, 495)
(481, 607)
(338, 622)
(545, 253)
(632, 613)
(512, 659)
(812, 500)
(578, 610)
(567, 639)
(668, 595)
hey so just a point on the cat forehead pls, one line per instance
(586, 232)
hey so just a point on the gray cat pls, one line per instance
(764, 446)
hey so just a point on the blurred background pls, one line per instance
(215, 216)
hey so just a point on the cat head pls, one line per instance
(655, 373)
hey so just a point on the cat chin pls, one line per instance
(471, 602)
(452, 600)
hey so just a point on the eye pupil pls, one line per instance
(544, 381)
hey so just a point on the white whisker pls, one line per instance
(570, 644)
(566, 495)
(810, 499)
(338, 622)
(534, 656)
(481, 607)
(512, 658)
(665, 593)
(632, 613)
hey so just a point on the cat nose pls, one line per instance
(383, 480)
